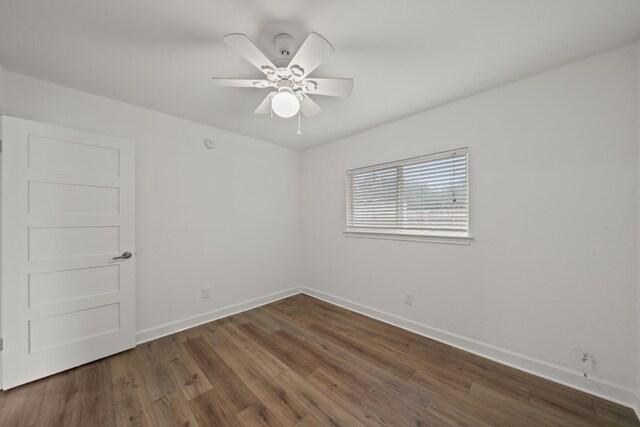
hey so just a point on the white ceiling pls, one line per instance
(406, 55)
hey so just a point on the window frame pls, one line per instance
(408, 235)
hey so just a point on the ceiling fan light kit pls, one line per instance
(285, 103)
(288, 79)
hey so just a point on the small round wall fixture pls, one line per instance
(209, 143)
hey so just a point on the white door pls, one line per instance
(67, 213)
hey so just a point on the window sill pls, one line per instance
(450, 240)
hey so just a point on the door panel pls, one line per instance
(67, 211)
(57, 286)
(62, 242)
(61, 329)
(70, 156)
(51, 198)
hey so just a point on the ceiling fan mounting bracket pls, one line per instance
(285, 45)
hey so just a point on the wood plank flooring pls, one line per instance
(300, 362)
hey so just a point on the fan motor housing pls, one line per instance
(284, 82)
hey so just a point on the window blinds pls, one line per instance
(426, 195)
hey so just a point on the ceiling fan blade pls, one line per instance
(330, 87)
(309, 107)
(240, 82)
(313, 52)
(265, 105)
(245, 47)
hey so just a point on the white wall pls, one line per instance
(553, 162)
(549, 271)
(227, 218)
(1, 89)
(1, 112)
(638, 243)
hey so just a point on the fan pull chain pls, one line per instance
(299, 131)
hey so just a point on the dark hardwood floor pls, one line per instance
(300, 362)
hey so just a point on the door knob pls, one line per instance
(125, 255)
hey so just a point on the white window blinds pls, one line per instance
(426, 195)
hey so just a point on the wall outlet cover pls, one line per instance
(408, 298)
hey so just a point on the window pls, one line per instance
(424, 196)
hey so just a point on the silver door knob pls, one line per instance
(125, 255)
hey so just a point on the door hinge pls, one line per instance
(1, 344)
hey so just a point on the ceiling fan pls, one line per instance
(288, 79)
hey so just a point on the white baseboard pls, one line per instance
(568, 377)
(559, 374)
(190, 322)
(637, 403)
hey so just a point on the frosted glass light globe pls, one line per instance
(285, 104)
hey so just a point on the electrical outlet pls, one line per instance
(205, 293)
(408, 298)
